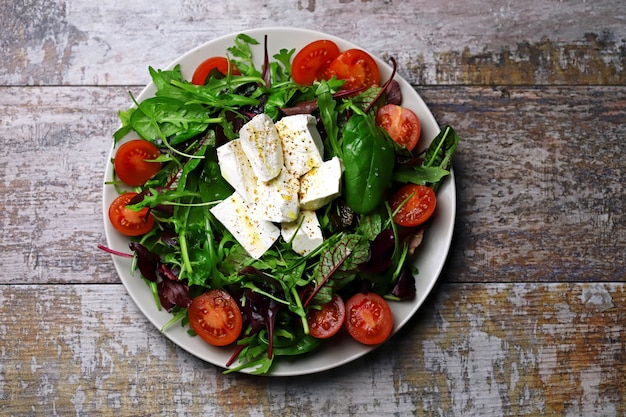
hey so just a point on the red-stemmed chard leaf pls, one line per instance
(147, 262)
(172, 291)
(344, 256)
(383, 246)
(405, 285)
(260, 310)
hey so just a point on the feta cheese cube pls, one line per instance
(321, 185)
(236, 168)
(254, 234)
(277, 200)
(305, 233)
(302, 145)
(262, 145)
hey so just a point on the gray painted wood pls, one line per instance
(528, 318)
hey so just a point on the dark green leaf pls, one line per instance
(124, 117)
(284, 58)
(163, 118)
(368, 158)
(326, 105)
(163, 78)
(242, 54)
(420, 175)
(440, 150)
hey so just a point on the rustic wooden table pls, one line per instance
(529, 315)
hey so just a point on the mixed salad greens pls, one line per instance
(281, 303)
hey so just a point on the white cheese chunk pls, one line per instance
(305, 233)
(321, 185)
(236, 168)
(302, 144)
(277, 200)
(262, 145)
(254, 234)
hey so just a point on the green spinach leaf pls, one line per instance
(369, 159)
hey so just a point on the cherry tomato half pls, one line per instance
(368, 318)
(215, 317)
(357, 67)
(416, 204)
(127, 221)
(401, 123)
(131, 162)
(219, 63)
(327, 321)
(313, 61)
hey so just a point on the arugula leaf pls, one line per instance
(420, 175)
(169, 120)
(440, 151)
(327, 104)
(278, 97)
(284, 58)
(182, 213)
(241, 50)
(154, 198)
(217, 94)
(436, 164)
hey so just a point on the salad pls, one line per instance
(196, 198)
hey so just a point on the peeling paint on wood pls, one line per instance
(447, 43)
(536, 334)
(529, 316)
(547, 196)
(55, 143)
(488, 350)
(589, 61)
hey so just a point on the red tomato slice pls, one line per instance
(131, 164)
(127, 221)
(357, 67)
(219, 63)
(215, 317)
(401, 123)
(368, 318)
(327, 322)
(416, 204)
(313, 61)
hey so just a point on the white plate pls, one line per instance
(430, 259)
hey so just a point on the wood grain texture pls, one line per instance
(527, 42)
(55, 145)
(528, 317)
(540, 182)
(489, 350)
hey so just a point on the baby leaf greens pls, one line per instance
(189, 253)
(436, 163)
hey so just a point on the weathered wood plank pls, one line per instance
(455, 42)
(511, 329)
(473, 350)
(540, 186)
(55, 144)
(540, 182)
